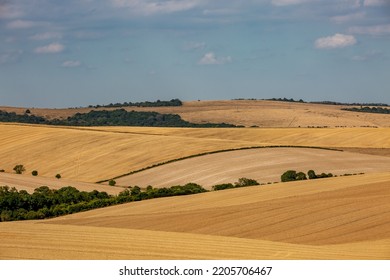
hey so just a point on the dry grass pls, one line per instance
(264, 165)
(336, 218)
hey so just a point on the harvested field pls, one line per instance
(99, 153)
(333, 218)
(264, 165)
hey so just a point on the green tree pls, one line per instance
(289, 175)
(34, 173)
(300, 176)
(311, 174)
(112, 182)
(58, 176)
(19, 169)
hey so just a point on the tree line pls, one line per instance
(173, 102)
(366, 109)
(119, 117)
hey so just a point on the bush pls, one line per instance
(112, 182)
(19, 169)
(58, 176)
(222, 187)
(2, 170)
(34, 173)
(244, 182)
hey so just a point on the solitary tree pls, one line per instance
(58, 176)
(112, 182)
(19, 169)
(34, 173)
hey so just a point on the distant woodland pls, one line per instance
(158, 103)
(119, 117)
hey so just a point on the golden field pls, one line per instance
(333, 218)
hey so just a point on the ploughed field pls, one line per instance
(264, 165)
(333, 218)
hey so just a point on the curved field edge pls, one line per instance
(265, 165)
(32, 240)
(211, 153)
(319, 212)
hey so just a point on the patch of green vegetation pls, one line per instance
(46, 203)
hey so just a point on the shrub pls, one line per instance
(2, 170)
(34, 173)
(19, 169)
(112, 182)
(222, 187)
(244, 182)
(58, 176)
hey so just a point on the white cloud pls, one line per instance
(150, 7)
(335, 41)
(51, 48)
(46, 36)
(375, 30)
(288, 2)
(21, 24)
(375, 2)
(211, 59)
(71, 63)
(347, 18)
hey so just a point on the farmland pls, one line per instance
(344, 217)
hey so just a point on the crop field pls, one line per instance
(344, 217)
(264, 165)
(334, 218)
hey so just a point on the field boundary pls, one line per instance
(215, 152)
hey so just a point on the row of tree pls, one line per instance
(292, 175)
(366, 109)
(46, 203)
(158, 103)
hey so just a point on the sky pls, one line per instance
(59, 54)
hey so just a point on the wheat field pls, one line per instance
(334, 218)
(94, 154)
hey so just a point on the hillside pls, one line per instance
(245, 112)
(334, 218)
(264, 165)
(94, 154)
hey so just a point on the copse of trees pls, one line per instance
(242, 182)
(19, 168)
(292, 175)
(47, 203)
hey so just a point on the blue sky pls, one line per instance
(79, 52)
